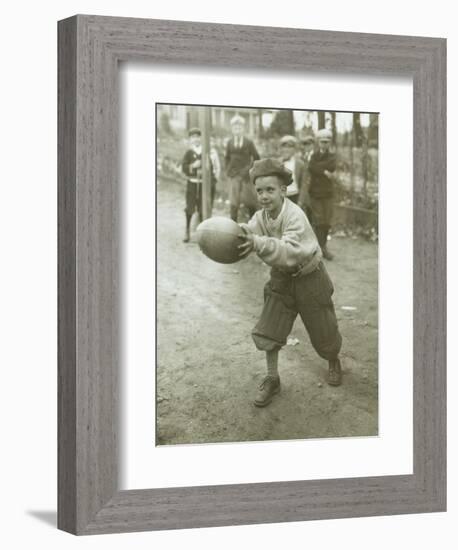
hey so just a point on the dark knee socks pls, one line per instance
(188, 222)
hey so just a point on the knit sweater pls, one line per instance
(288, 242)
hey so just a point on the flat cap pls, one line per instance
(288, 140)
(237, 119)
(270, 167)
(194, 132)
(324, 134)
(307, 139)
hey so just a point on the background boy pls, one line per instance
(291, 161)
(321, 165)
(282, 237)
(192, 168)
(240, 154)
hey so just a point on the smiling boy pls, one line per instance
(282, 237)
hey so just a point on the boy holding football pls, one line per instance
(282, 237)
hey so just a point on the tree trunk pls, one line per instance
(321, 119)
(334, 129)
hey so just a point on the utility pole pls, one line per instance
(205, 124)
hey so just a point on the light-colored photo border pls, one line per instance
(390, 451)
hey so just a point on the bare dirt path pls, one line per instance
(208, 368)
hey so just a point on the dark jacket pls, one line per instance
(239, 160)
(320, 185)
(301, 176)
(194, 174)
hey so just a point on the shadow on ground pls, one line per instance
(45, 516)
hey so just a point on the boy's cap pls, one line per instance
(194, 132)
(237, 119)
(288, 140)
(324, 135)
(270, 167)
(307, 139)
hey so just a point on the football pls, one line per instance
(219, 238)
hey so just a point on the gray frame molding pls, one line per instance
(90, 48)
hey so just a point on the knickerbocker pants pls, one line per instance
(310, 296)
(242, 191)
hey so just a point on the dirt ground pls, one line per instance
(208, 368)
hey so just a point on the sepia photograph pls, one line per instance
(266, 274)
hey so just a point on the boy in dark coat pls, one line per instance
(240, 154)
(321, 166)
(192, 168)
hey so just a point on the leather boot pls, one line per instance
(234, 212)
(268, 388)
(335, 372)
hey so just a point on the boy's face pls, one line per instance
(237, 130)
(307, 147)
(287, 151)
(270, 191)
(323, 144)
(195, 140)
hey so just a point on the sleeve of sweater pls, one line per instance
(253, 226)
(296, 246)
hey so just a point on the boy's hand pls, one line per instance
(196, 164)
(328, 173)
(247, 245)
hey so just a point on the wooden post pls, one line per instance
(205, 123)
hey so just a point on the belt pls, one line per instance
(300, 268)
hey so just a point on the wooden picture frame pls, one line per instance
(90, 48)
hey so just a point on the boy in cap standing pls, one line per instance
(288, 152)
(240, 154)
(307, 143)
(321, 166)
(192, 168)
(282, 237)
